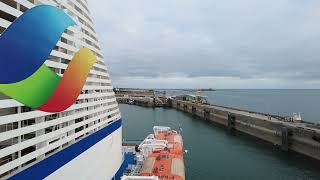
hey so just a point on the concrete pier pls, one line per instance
(140, 97)
(299, 137)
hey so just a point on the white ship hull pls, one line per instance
(82, 142)
(98, 162)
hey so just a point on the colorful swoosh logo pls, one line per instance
(24, 47)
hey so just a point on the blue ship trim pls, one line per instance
(128, 159)
(47, 166)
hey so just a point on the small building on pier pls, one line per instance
(193, 98)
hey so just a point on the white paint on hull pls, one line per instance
(101, 161)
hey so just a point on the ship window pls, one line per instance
(8, 127)
(79, 120)
(79, 137)
(8, 142)
(5, 160)
(52, 151)
(28, 122)
(22, 8)
(55, 140)
(25, 109)
(27, 150)
(79, 129)
(28, 136)
(51, 117)
(29, 162)
(7, 16)
(53, 58)
(8, 111)
(52, 128)
(65, 61)
(64, 145)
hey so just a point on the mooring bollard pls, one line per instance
(231, 122)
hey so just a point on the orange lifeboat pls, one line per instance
(166, 163)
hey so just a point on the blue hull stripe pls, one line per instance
(128, 159)
(47, 166)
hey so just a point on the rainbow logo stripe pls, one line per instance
(24, 47)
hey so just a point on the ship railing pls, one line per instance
(159, 129)
(147, 149)
(150, 136)
(136, 169)
(152, 142)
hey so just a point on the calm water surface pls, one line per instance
(214, 154)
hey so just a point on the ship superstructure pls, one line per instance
(82, 142)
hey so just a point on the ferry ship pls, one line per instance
(82, 142)
(158, 157)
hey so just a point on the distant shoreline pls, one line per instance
(157, 89)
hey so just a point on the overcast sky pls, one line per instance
(210, 43)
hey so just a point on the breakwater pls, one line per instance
(140, 97)
(302, 137)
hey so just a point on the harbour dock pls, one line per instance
(141, 97)
(300, 137)
(286, 132)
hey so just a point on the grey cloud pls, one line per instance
(236, 44)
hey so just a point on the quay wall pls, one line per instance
(145, 101)
(293, 136)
